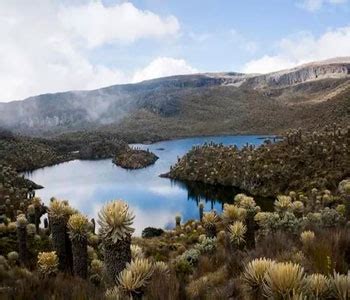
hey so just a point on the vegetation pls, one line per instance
(296, 253)
(297, 250)
(298, 162)
(135, 159)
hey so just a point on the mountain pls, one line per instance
(307, 96)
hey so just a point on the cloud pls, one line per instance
(242, 42)
(124, 23)
(46, 45)
(163, 66)
(314, 5)
(303, 48)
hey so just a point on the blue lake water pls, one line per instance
(155, 200)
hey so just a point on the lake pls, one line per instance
(155, 200)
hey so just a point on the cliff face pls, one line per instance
(300, 75)
(210, 103)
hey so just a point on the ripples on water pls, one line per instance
(154, 200)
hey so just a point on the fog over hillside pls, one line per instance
(225, 102)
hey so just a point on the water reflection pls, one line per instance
(155, 201)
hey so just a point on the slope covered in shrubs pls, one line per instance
(301, 161)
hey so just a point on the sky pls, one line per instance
(49, 46)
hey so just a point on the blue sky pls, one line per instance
(50, 46)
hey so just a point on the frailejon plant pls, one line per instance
(22, 239)
(252, 209)
(317, 286)
(210, 221)
(136, 252)
(59, 213)
(115, 220)
(237, 232)
(253, 276)
(135, 277)
(340, 286)
(78, 230)
(283, 204)
(307, 238)
(48, 263)
(282, 280)
(233, 213)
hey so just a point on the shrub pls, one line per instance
(254, 273)
(47, 263)
(237, 233)
(317, 286)
(283, 279)
(340, 285)
(307, 238)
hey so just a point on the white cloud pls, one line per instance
(163, 66)
(43, 51)
(314, 5)
(124, 23)
(301, 49)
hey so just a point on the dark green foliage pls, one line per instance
(149, 232)
(134, 159)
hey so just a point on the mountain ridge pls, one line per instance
(184, 98)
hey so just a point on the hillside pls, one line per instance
(199, 104)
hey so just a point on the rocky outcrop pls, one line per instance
(299, 75)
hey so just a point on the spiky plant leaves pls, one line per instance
(340, 285)
(254, 274)
(135, 276)
(210, 220)
(78, 226)
(282, 280)
(161, 268)
(136, 252)
(307, 238)
(48, 263)
(237, 233)
(233, 213)
(317, 286)
(115, 220)
(283, 204)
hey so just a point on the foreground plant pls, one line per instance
(282, 280)
(115, 222)
(317, 286)
(340, 285)
(135, 277)
(78, 226)
(253, 276)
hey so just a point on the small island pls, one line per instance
(135, 159)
